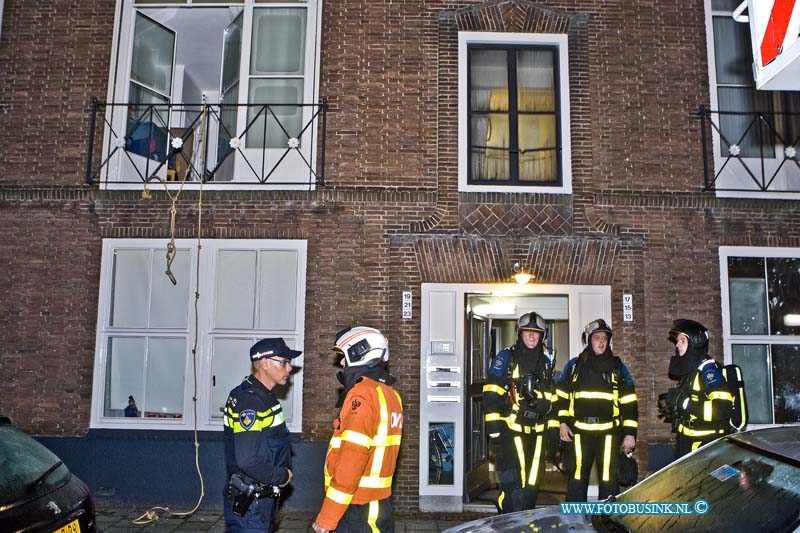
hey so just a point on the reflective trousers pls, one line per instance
(372, 517)
(519, 464)
(586, 449)
(685, 444)
(257, 519)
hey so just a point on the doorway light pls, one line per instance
(521, 277)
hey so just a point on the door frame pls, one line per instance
(445, 324)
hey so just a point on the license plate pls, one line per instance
(72, 527)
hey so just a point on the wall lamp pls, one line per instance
(520, 276)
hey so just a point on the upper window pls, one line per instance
(224, 91)
(514, 118)
(146, 328)
(761, 328)
(750, 127)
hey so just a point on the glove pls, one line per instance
(541, 407)
(665, 410)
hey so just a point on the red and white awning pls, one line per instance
(774, 28)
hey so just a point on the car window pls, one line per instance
(745, 491)
(22, 462)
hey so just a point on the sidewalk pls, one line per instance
(118, 519)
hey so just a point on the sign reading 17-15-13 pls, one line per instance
(407, 302)
(627, 307)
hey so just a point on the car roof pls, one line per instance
(783, 441)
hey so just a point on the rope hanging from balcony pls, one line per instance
(151, 515)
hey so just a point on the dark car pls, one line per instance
(749, 481)
(37, 490)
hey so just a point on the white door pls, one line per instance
(278, 64)
(145, 121)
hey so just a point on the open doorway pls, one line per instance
(490, 327)
(462, 326)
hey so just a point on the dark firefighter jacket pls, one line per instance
(595, 397)
(507, 401)
(705, 401)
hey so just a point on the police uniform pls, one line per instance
(704, 406)
(256, 445)
(518, 420)
(598, 402)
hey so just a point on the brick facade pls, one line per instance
(390, 216)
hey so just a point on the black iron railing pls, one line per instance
(750, 151)
(272, 144)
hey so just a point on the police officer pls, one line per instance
(362, 455)
(703, 402)
(597, 408)
(517, 397)
(257, 454)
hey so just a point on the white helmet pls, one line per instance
(361, 345)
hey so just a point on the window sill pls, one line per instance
(516, 189)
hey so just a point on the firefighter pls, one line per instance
(362, 453)
(518, 396)
(596, 406)
(702, 402)
(257, 453)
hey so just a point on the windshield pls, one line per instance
(745, 491)
(22, 462)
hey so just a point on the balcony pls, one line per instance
(751, 154)
(274, 145)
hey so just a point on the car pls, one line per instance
(37, 490)
(747, 481)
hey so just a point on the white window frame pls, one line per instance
(119, 77)
(727, 338)
(718, 159)
(466, 38)
(205, 334)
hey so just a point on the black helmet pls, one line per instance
(694, 331)
(595, 326)
(533, 322)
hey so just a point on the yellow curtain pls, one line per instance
(535, 131)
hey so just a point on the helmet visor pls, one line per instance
(357, 351)
(531, 321)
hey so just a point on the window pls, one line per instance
(761, 328)
(514, 113)
(143, 364)
(250, 64)
(753, 126)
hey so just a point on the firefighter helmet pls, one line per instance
(595, 326)
(361, 346)
(532, 321)
(695, 332)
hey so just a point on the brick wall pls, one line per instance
(390, 216)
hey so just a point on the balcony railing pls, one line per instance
(750, 151)
(222, 144)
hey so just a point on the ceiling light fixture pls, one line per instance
(520, 276)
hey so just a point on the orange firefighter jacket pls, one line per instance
(362, 453)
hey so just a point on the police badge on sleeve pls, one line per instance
(247, 418)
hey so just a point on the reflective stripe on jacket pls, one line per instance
(363, 451)
(709, 402)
